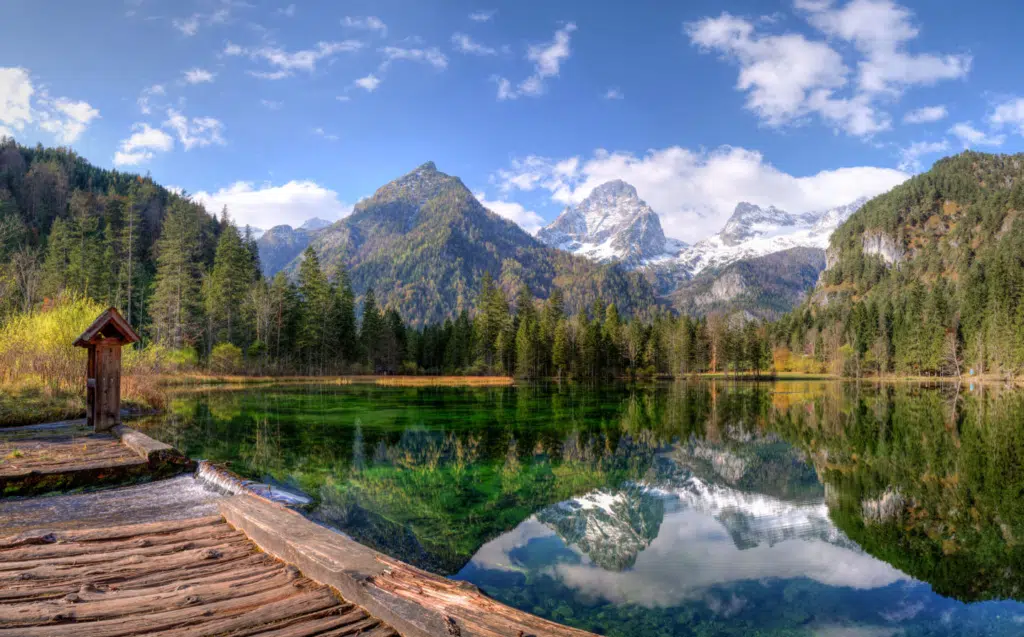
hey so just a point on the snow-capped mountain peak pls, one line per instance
(611, 224)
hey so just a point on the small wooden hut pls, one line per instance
(104, 339)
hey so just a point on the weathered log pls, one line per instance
(414, 602)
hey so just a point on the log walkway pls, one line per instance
(67, 456)
(193, 577)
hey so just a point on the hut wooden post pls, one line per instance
(104, 339)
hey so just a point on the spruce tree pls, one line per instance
(175, 308)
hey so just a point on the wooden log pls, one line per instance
(156, 453)
(414, 602)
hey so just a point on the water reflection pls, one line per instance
(677, 509)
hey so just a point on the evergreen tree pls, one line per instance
(175, 307)
(316, 321)
(371, 331)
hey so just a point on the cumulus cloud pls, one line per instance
(926, 114)
(528, 220)
(431, 56)
(267, 205)
(910, 156)
(613, 94)
(695, 191)
(368, 83)
(547, 61)
(198, 76)
(195, 132)
(22, 104)
(1009, 113)
(368, 23)
(320, 132)
(971, 137)
(465, 44)
(147, 95)
(187, 26)
(789, 77)
(482, 16)
(139, 148)
(285, 63)
(16, 92)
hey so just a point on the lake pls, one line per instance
(690, 508)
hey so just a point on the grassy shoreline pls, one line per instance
(32, 404)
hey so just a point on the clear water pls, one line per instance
(670, 509)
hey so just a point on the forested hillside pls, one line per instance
(67, 227)
(763, 287)
(925, 279)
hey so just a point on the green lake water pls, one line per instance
(667, 509)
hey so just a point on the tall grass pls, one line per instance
(40, 368)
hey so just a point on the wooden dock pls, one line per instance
(191, 577)
(63, 457)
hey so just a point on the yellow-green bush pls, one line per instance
(225, 358)
(37, 356)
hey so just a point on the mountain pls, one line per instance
(763, 287)
(611, 224)
(753, 231)
(424, 242)
(280, 245)
(314, 224)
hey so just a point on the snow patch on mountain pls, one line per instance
(611, 224)
(614, 224)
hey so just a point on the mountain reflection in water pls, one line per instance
(673, 509)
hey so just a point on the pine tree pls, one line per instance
(371, 330)
(232, 275)
(348, 331)
(175, 307)
(316, 322)
(561, 352)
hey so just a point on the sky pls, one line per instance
(286, 111)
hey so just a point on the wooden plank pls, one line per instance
(416, 603)
(112, 533)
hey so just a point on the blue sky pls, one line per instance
(285, 111)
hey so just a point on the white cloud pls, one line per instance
(66, 119)
(970, 136)
(139, 148)
(926, 114)
(482, 16)
(195, 132)
(465, 44)
(286, 62)
(696, 191)
(789, 77)
(910, 156)
(432, 56)
(369, 23)
(880, 29)
(1009, 113)
(368, 83)
(198, 76)
(343, 98)
(148, 94)
(288, 12)
(320, 132)
(272, 104)
(21, 104)
(528, 220)
(267, 206)
(187, 26)
(16, 92)
(547, 60)
(613, 94)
